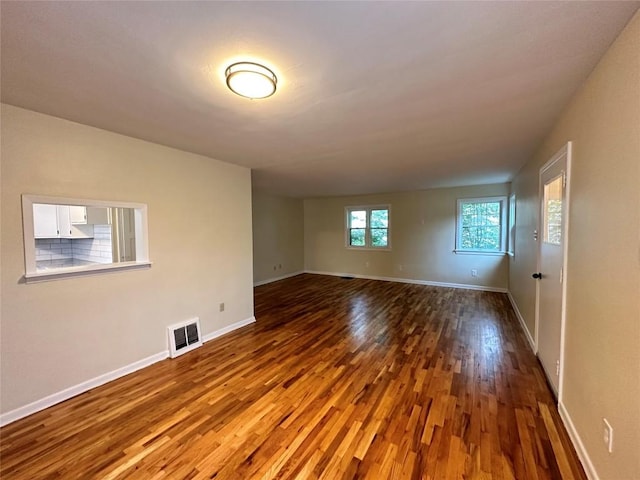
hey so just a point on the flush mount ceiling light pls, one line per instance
(251, 80)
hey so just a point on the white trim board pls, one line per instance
(83, 387)
(276, 279)
(576, 441)
(228, 329)
(532, 343)
(581, 450)
(485, 288)
(67, 393)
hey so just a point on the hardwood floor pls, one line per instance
(337, 379)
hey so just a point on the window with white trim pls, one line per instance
(512, 224)
(482, 225)
(70, 237)
(368, 227)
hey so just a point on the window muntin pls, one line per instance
(368, 227)
(481, 225)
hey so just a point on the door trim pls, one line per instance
(565, 151)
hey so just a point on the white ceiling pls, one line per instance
(372, 96)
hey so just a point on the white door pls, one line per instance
(123, 236)
(128, 232)
(77, 215)
(551, 273)
(45, 221)
(64, 221)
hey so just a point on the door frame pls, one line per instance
(565, 151)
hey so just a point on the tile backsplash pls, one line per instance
(53, 249)
(96, 249)
(61, 252)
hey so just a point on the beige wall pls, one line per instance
(60, 333)
(423, 226)
(278, 236)
(602, 356)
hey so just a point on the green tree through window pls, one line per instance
(368, 227)
(379, 227)
(481, 225)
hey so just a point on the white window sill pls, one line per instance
(61, 273)
(479, 252)
(370, 249)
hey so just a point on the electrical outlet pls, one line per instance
(366, 264)
(608, 435)
(474, 272)
(279, 266)
(222, 307)
(400, 267)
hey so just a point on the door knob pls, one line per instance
(537, 275)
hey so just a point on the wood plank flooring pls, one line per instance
(338, 379)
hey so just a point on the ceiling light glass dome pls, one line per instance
(251, 80)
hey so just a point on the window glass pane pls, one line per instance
(512, 223)
(379, 237)
(368, 227)
(481, 229)
(357, 218)
(553, 211)
(379, 218)
(356, 237)
(481, 238)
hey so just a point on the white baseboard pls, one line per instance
(589, 469)
(67, 393)
(275, 279)
(228, 328)
(411, 280)
(70, 392)
(527, 333)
